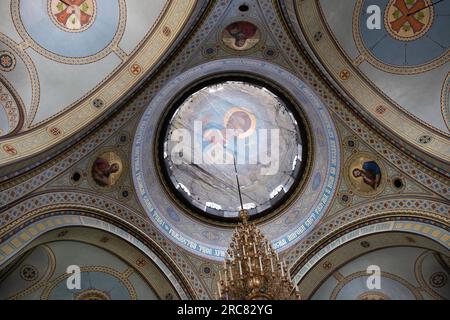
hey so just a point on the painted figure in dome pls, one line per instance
(242, 31)
(370, 172)
(102, 171)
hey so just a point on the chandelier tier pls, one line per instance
(253, 270)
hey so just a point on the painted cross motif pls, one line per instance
(9, 149)
(29, 273)
(327, 265)
(135, 69)
(344, 74)
(408, 15)
(141, 262)
(55, 131)
(73, 15)
(381, 110)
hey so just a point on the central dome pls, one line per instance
(226, 127)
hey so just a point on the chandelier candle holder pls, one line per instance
(253, 270)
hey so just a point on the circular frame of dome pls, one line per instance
(209, 237)
(275, 110)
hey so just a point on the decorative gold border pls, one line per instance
(121, 276)
(311, 262)
(37, 140)
(32, 74)
(127, 252)
(445, 97)
(15, 112)
(43, 280)
(420, 278)
(387, 216)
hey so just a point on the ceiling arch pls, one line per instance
(42, 273)
(336, 250)
(406, 273)
(69, 62)
(68, 225)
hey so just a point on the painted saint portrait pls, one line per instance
(107, 169)
(240, 120)
(73, 15)
(241, 35)
(237, 122)
(366, 175)
(370, 173)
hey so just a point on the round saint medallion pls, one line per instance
(365, 174)
(106, 169)
(72, 15)
(241, 35)
(408, 20)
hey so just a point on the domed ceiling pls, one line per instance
(390, 58)
(356, 181)
(64, 63)
(207, 186)
(227, 128)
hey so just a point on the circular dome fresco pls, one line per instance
(221, 128)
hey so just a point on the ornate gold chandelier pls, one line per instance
(253, 270)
